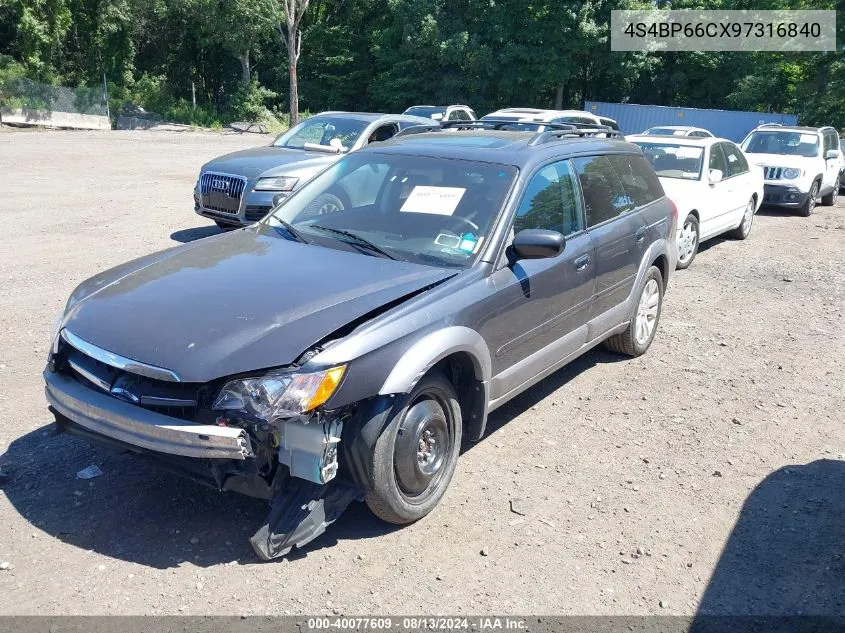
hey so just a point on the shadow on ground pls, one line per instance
(138, 512)
(786, 553)
(197, 233)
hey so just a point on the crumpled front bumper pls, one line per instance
(105, 415)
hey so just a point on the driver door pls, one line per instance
(538, 308)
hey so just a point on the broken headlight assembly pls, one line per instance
(307, 447)
(278, 394)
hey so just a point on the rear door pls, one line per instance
(739, 185)
(617, 234)
(541, 305)
(832, 165)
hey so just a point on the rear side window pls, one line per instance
(736, 161)
(638, 178)
(610, 123)
(604, 196)
(551, 201)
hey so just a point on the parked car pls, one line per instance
(317, 358)
(712, 184)
(533, 117)
(442, 113)
(240, 188)
(678, 130)
(800, 164)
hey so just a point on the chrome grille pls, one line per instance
(178, 400)
(221, 192)
(773, 173)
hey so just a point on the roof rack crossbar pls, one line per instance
(500, 124)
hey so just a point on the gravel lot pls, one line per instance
(706, 476)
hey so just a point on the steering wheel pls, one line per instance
(465, 221)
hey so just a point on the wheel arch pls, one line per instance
(462, 354)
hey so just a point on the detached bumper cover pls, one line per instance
(136, 426)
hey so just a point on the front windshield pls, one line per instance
(782, 142)
(664, 131)
(432, 211)
(323, 130)
(427, 112)
(674, 161)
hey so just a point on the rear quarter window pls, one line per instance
(638, 178)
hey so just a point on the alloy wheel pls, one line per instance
(647, 311)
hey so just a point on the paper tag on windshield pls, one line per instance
(434, 200)
(808, 138)
(685, 151)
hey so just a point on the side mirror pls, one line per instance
(832, 154)
(716, 175)
(538, 244)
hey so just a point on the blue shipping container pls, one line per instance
(730, 124)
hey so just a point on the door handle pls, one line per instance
(641, 233)
(581, 263)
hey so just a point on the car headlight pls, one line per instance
(279, 394)
(791, 173)
(54, 331)
(276, 183)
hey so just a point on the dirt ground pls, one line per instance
(705, 477)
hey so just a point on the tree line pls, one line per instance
(213, 61)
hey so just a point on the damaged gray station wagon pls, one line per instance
(317, 358)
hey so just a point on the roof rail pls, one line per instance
(770, 125)
(417, 129)
(581, 130)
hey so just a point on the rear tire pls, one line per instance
(415, 456)
(807, 210)
(830, 199)
(744, 229)
(637, 337)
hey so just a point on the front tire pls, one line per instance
(744, 229)
(415, 456)
(688, 242)
(830, 199)
(807, 210)
(637, 337)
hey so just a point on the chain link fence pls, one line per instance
(19, 92)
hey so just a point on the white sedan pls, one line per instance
(711, 182)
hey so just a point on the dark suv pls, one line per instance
(316, 358)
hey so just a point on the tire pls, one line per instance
(399, 489)
(225, 226)
(688, 242)
(631, 342)
(830, 199)
(324, 204)
(744, 229)
(807, 210)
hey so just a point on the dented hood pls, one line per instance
(237, 302)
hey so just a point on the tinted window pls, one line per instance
(637, 177)
(462, 115)
(736, 161)
(717, 159)
(604, 197)
(550, 201)
(428, 112)
(610, 123)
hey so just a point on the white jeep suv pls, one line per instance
(800, 164)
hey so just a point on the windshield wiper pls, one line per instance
(361, 241)
(292, 231)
